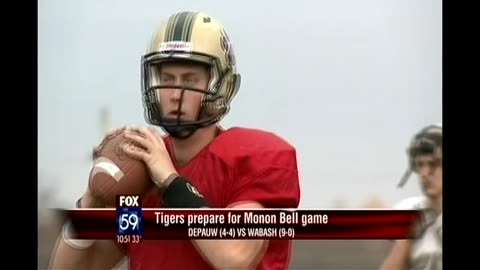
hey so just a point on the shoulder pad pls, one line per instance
(252, 146)
(247, 139)
(412, 203)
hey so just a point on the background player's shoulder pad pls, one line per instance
(412, 203)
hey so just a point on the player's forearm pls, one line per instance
(102, 254)
(397, 259)
(221, 254)
(232, 254)
(71, 253)
(66, 257)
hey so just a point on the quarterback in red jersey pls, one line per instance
(189, 78)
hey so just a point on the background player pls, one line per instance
(425, 158)
(189, 77)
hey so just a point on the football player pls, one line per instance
(189, 78)
(424, 251)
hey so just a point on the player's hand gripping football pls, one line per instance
(150, 148)
(110, 134)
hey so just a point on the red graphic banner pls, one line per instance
(242, 224)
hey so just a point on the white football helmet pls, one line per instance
(427, 141)
(195, 37)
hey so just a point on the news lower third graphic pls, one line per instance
(130, 223)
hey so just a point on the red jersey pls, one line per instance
(239, 165)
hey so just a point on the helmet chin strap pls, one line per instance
(404, 178)
(181, 133)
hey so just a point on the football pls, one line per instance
(114, 173)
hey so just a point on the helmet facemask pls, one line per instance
(213, 105)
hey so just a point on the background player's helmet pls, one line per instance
(426, 141)
(197, 37)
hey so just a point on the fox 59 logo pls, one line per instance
(129, 215)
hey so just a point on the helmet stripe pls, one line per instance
(178, 27)
(170, 27)
(190, 23)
